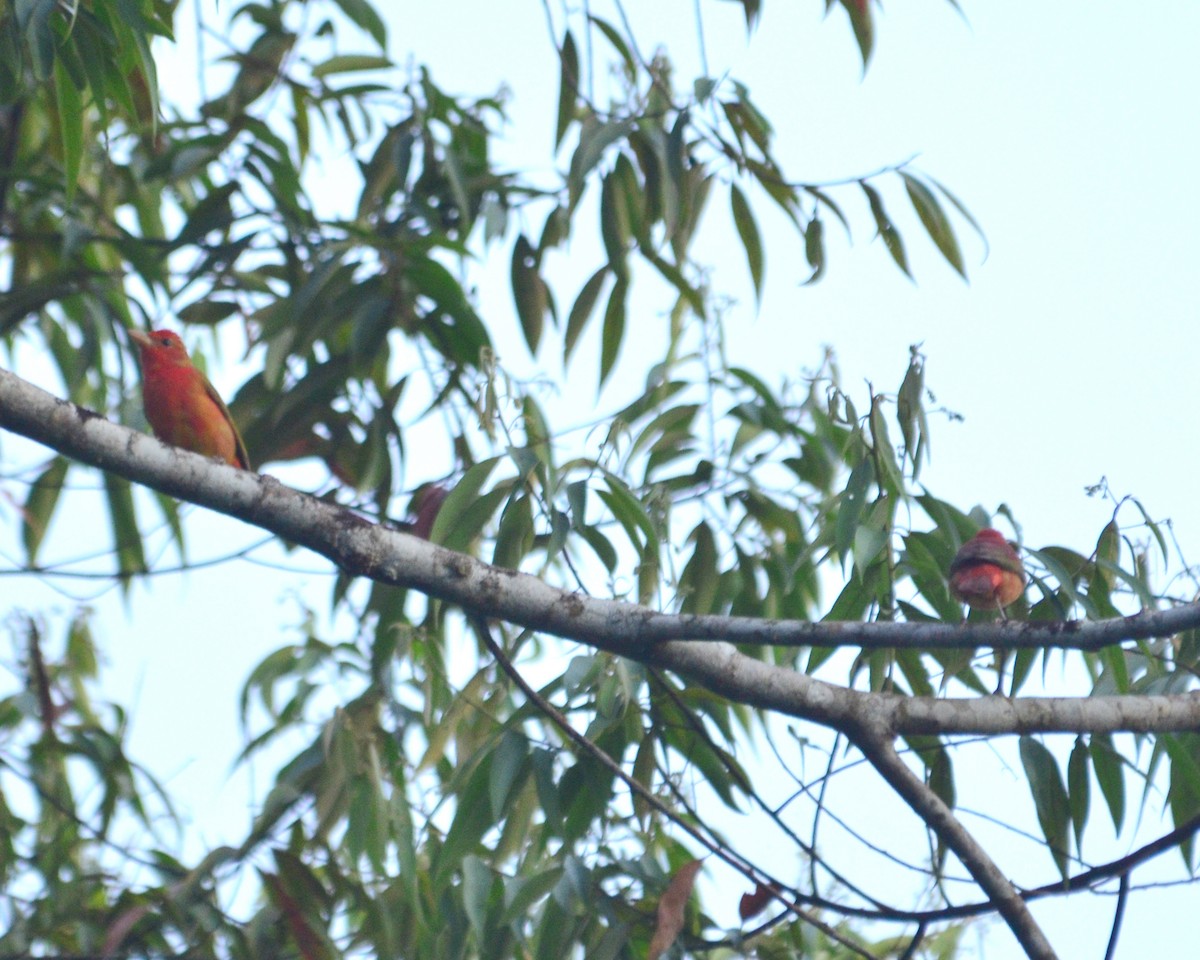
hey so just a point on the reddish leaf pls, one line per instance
(752, 904)
(426, 501)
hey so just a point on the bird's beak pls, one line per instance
(139, 337)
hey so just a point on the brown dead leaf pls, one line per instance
(671, 908)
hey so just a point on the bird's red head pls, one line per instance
(990, 535)
(161, 348)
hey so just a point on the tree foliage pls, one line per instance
(442, 810)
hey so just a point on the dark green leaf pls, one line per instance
(613, 331)
(1078, 789)
(747, 228)
(459, 502)
(568, 90)
(582, 310)
(888, 232)
(595, 137)
(127, 538)
(1049, 798)
(207, 313)
(814, 249)
(529, 291)
(864, 30)
(70, 126)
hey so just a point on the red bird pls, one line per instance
(986, 573)
(182, 406)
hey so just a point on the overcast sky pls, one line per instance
(1068, 129)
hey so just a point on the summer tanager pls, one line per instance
(986, 573)
(180, 403)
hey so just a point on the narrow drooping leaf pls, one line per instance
(613, 331)
(39, 505)
(70, 126)
(887, 231)
(1079, 788)
(529, 292)
(747, 228)
(1049, 798)
(363, 14)
(864, 29)
(582, 310)
(935, 221)
(568, 87)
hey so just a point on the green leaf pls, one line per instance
(472, 819)
(618, 43)
(514, 539)
(581, 311)
(864, 30)
(362, 14)
(934, 219)
(207, 313)
(127, 538)
(747, 228)
(211, 213)
(854, 497)
(40, 504)
(699, 581)
(814, 249)
(529, 292)
(752, 9)
(70, 126)
(477, 886)
(350, 63)
(886, 230)
(962, 209)
(1049, 798)
(629, 512)
(510, 767)
(458, 505)
(613, 331)
(595, 137)
(1183, 793)
(941, 777)
(1078, 788)
(568, 89)
(614, 227)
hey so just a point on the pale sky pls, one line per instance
(1066, 128)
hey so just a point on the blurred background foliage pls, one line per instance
(438, 812)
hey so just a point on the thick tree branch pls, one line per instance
(369, 550)
(876, 746)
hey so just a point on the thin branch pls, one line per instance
(748, 870)
(1118, 916)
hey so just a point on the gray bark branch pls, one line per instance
(365, 549)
